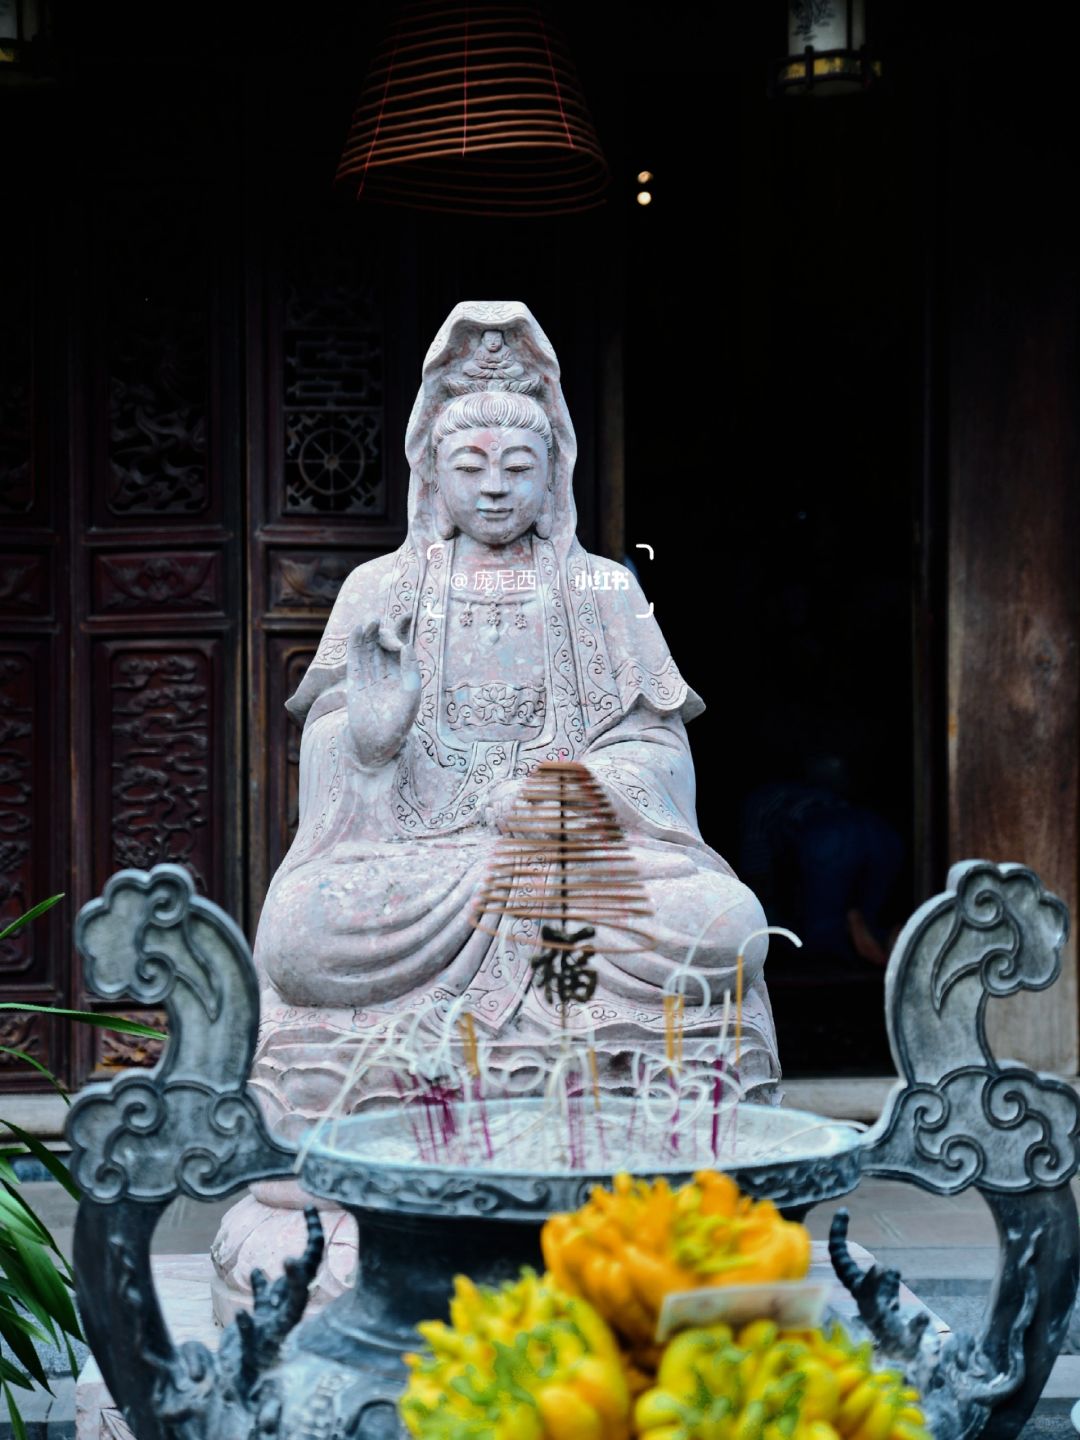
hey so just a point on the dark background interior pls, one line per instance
(784, 314)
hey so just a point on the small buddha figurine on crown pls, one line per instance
(449, 669)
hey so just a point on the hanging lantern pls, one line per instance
(474, 109)
(828, 52)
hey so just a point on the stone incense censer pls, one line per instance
(394, 1056)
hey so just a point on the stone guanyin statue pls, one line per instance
(489, 642)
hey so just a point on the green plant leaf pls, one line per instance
(73, 1363)
(18, 1219)
(13, 1261)
(42, 1234)
(55, 1166)
(31, 914)
(22, 1285)
(22, 1348)
(18, 1429)
(10, 1313)
(9, 1374)
(49, 1285)
(88, 1017)
(42, 1069)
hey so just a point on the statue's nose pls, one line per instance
(494, 482)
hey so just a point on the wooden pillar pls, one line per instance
(1013, 577)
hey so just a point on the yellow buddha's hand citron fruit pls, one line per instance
(763, 1384)
(525, 1361)
(628, 1247)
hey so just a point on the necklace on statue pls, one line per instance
(492, 634)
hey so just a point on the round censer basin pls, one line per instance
(466, 1188)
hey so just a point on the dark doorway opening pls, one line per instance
(776, 462)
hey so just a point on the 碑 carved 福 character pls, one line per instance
(448, 671)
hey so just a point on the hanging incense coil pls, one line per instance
(474, 109)
(566, 864)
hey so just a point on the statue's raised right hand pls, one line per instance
(382, 690)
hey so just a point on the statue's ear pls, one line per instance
(444, 526)
(545, 521)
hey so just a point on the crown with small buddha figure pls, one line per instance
(493, 366)
(492, 346)
(497, 324)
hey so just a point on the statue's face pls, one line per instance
(493, 482)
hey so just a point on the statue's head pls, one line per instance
(492, 463)
(490, 444)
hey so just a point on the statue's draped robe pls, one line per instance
(370, 911)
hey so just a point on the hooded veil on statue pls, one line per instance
(369, 913)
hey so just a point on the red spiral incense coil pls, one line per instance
(475, 109)
(565, 862)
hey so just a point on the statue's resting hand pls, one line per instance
(382, 692)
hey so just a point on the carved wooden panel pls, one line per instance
(17, 719)
(152, 359)
(157, 548)
(34, 657)
(326, 421)
(151, 353)
(122, 546)
(308, 580)
(333, 396)
(32, 822)
(141, 582)
(33, 1035)
(24, 583)
(116, 1051)
(157, 783)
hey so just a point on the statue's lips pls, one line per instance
(494, 514)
